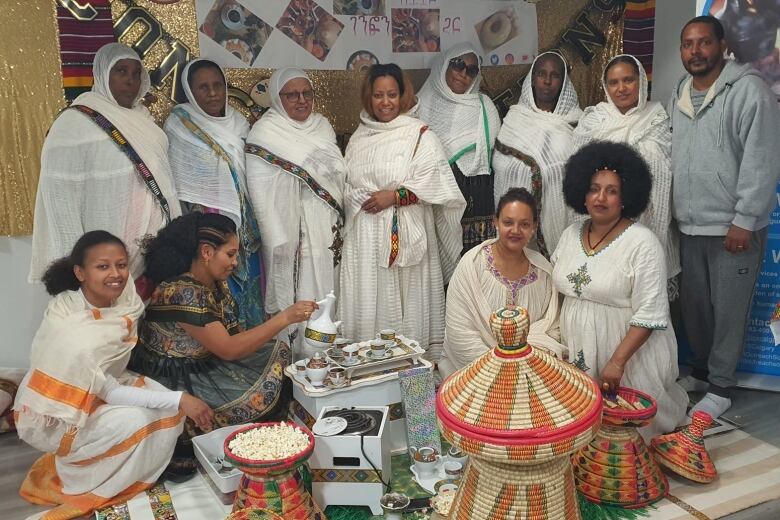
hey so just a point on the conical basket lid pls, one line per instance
(517, 402)
(683, 451)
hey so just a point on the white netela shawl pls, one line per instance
(466, 124)
(202, 176)
(88, 183)
(73, 351)
(546, 138)
(296, 156)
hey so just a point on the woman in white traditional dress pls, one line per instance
(402, 237)
(207, 159)
(107, 434)
(104, 165)
(536, 141)
(296, 175)
(499, 272)
(628, 117)
(467, 122)
(612, 274)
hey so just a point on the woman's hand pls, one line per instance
(611, 375)
(299, 311)
(197, 410)
(379, 201)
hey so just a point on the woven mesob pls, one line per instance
(520, 413)
(683, 451)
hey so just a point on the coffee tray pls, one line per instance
(405, 354)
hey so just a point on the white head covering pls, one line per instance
(605, 121)
(105, 59)
(202, 177)
(277, 82)
(568, 105)
(460, 120)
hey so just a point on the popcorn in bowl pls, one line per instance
(269, 442)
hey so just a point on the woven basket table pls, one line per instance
(683, 451)
(616, 468)
(274, 485)
(520, 413)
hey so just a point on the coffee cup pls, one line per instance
(350, 352)
(378, 348)
(387, 334)
(426, 460)
(453, 470)
(337, 375)
(339, 344)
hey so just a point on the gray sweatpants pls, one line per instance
(716, 291)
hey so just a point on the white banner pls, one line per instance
(353, 34)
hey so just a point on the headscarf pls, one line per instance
(605, 121)
(460, 120)
(105, 59)
(198, 179)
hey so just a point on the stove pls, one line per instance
(348, 468)
(359, 421)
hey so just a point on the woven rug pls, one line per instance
(749, 472)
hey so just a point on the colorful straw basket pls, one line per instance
(275, 485)
(616, 468)
(683, 451)
(254, 514)
(520, 413)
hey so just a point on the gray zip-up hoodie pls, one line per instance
(726, 156)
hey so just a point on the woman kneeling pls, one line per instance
(108, 434)
(190, 336)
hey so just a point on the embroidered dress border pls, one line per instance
(300, 173)
(513, 286)
(537, 189)
(125, 146)
(654, 325)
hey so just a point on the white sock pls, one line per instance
(713, 404)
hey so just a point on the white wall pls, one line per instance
(21, 304)
(670, 16)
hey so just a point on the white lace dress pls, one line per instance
(620, 286)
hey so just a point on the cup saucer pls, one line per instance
(348, 362)
(330, 384)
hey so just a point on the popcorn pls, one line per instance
(278, 441)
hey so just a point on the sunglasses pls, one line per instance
(457, 64)
(308, 95)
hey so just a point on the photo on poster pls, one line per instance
(359, 7)
(309, 25)
(361, 61)
(415, 30)
(235, 28)
(752, 33)
(497, 29)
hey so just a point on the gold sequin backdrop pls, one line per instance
(31, 85)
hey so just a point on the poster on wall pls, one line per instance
(752, 31)
(353, 34)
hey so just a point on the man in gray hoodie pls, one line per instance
(726, 163)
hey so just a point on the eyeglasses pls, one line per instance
(459, 65)
(308, 95)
